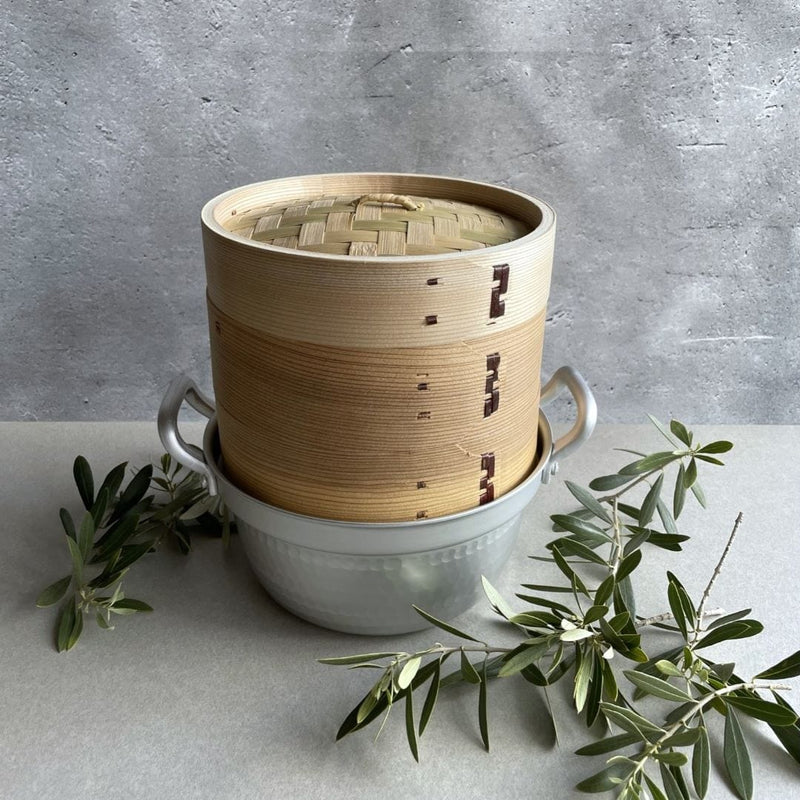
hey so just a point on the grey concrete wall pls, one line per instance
(665, 135)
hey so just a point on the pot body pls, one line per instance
(359, 577)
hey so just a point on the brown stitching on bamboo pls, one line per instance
(486, 485)
(497, 307)
(491, 400)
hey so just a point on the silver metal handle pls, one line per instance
(570, 379)
(183, 388)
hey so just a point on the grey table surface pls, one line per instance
(218, 693)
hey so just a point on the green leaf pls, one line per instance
(539, 587)
(534, 675)
(665, 432)
(545, 603)
(789, 667)
(667, 541)
(130, 604)
(737, 758)
(430, 699)
(608, 482)
(411, 733)
(716, 447)
(102, 621)
(407, 673)
(77, 561)
(583, 675)
(682, 738)
(100, 506)
(701, 762)
(367, 705)
(567, 570)
(691, 474)
(650, 501)
(652, 462)
(594, 613)
(443, 625)
(588, 500)
(581, 528)
(536, 619)
(640, 536)
(657, 686)
(572, 548)
(82, 473)
(788, 736)
(773, 713)
(576, 635)
(628, 565)
(65, 623)
(113, 481)
(671, 784)
(356, 659)
(495, 598)
(116, 536)
(731, 630)
(604, 590)
(654, 790)
(679, 430)
(671, 758)
(595, 694)
(709, 459)
(676, 608)
(483, 718)
(668, 668)
(624, 598)
(606, 780)
(131, 553)
(468, 671)
(679, 496)
(609, 744)
(723, 671)
(351, 722)
(667, 519)
(67, 523)
(54, 592)
(629, 720)
(697, 491)
(522, 657)
(134, 491)
(75, 633)
(86, 535)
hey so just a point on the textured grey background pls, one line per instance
(664, 135)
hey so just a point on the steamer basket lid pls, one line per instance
(376, 225)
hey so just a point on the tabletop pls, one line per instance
(218, 693)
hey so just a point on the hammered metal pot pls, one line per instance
(361, 577)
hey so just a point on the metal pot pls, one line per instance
(361, 577)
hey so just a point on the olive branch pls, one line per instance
(595, 628)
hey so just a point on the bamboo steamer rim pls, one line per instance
(536, 213)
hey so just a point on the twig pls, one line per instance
(717, 570)
(668, 615)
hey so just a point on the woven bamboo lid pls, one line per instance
(376, 224)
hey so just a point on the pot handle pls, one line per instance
(183, 388)
(570, 379)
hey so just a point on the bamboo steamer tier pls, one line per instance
(376, 341)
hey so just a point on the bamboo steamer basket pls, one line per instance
(376, 341)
